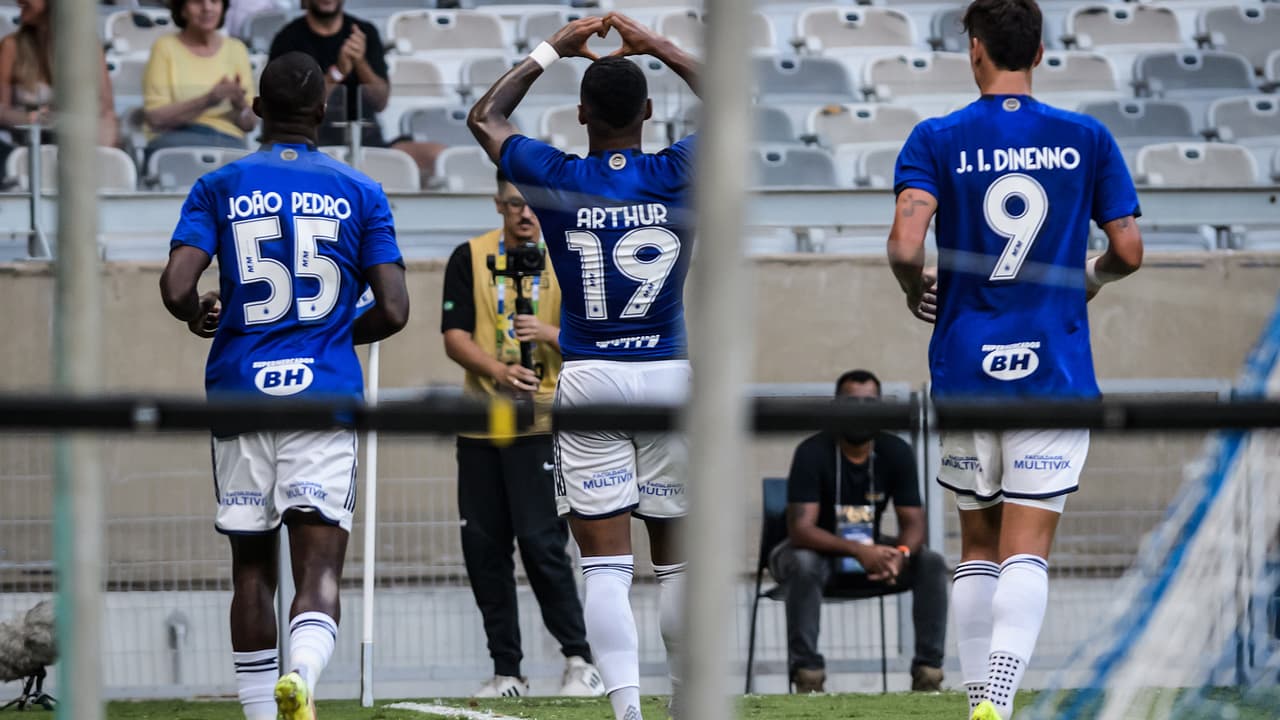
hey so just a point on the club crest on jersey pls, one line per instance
(1010, 362)
(281, 378)
(288, 154)
(617, 161)
(1012, 104)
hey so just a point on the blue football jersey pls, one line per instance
(618, 228)
(1017, 183)
(293, 231)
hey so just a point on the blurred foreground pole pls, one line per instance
(721, 345)
(78, 514)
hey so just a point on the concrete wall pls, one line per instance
(1193, 316)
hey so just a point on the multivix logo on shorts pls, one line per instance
(1010, 362)
(284, 377)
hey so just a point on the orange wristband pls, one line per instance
(906, 551)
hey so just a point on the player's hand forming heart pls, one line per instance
(637, 38)
(571, 40)
(205, 324)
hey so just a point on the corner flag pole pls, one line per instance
(370, 539)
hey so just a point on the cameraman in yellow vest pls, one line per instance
(506, 493)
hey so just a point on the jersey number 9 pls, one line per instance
(646, 255)
(1020, 229)
(307, 262)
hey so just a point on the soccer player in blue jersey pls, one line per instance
(297, 236)
(617, 228)
(1014, 184)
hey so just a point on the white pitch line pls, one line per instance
(448, 711)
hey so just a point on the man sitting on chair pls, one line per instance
(837, 491)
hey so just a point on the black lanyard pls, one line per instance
(873, 497)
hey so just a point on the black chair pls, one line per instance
(773, 530)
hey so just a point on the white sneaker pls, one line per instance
(581, 679)
(503, 686)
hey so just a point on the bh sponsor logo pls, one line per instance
(961, 462)
(284, 377)
(1010, 362)
(1042, 463)
(607, 478)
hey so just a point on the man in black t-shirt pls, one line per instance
(350, 52)
(837, 491)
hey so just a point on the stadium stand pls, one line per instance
(1271, 75)
(849, 125)
(670, 94)
(261, 29)
(133, 31)
(1069, 77)
(560, 127)
(115, 171)
(454, 32)
(1250, 31)
(794, 167)
(1199, 165)
(177, 169)
(876, 165)
(800, 83)
(774, 127)
(933, 83)
(464, 169)
(946, 31)
(396, 170)
(836, 30)
(445, 125)
(533, 27)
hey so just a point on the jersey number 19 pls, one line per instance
(646, 255)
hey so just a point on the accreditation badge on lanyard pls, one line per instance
(855, 522)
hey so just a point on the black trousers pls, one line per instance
(506, 496)
(804, 574)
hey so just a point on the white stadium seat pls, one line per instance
(1127, 25)
(464, 169)
(131, 32)
(845, 125)
(1252, 31)
(559, 126)
(686, 27)
(445, 125)
(449, 32)
(853, 28)
(177, 169)
(1070, 77)
(1200, 165)
(794, 167)
(395, 170)
(114, 169)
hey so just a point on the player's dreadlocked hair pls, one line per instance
(292, 86)
(1009, 30)
(614, 90)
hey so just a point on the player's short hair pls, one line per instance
(175, 12)
(292, 86)
(614, 90)
(858, 376)
(1010, 30)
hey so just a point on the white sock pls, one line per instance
(312, 636)
(671, 614)
(256, 675)
(971, 593)
(611, 630)
(1018, 609)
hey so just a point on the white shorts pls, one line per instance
(602, 474)
(1025, 467)
(259, 476)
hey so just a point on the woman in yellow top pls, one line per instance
(198, 86)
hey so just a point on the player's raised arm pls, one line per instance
(638, 39)
(490, 118)
(911, 220)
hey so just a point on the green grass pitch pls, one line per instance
(1225, 704)
(757, 707)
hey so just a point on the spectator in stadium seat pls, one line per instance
(871, 470)
(198, 84)
(26, 78)
(351, 53)
(506, 493)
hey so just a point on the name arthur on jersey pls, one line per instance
(622, 217)
(1019, 159)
